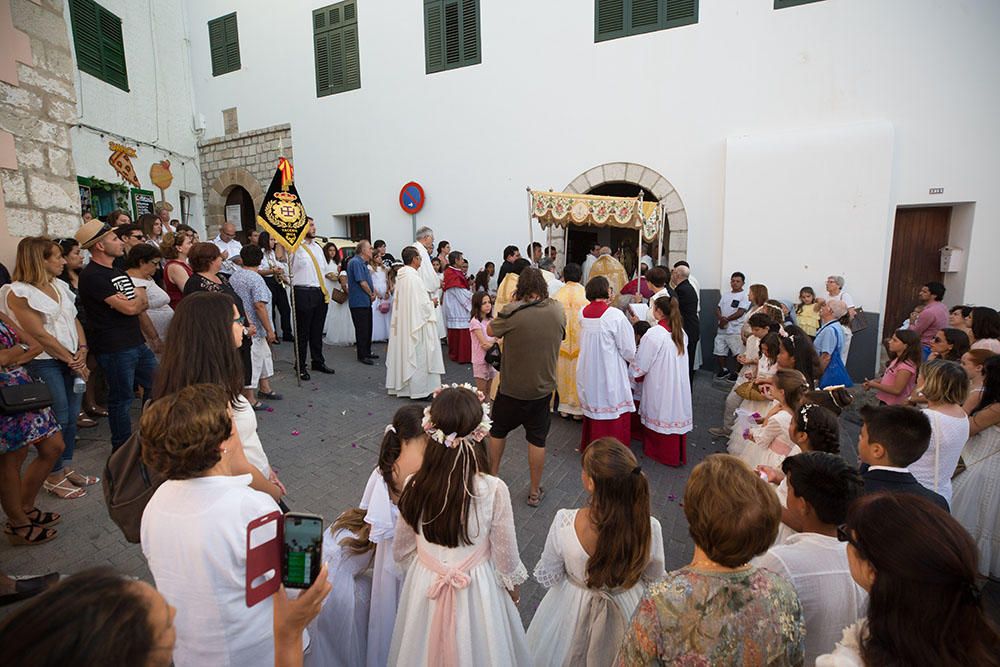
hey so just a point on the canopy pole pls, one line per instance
(531, 232)
(659, 238)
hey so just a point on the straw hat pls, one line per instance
(91, 232)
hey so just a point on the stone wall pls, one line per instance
(247, 159)
(38, 189)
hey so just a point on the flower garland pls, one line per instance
(452, 440)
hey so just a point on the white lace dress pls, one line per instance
(338, 329)
(339, 633)
(380, 320)
(387, 579)
(483, 626)
(568, 606)
(976, 501)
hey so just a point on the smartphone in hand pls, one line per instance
(302, 549)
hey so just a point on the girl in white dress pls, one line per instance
(382, 306)
(345, 628)
(769, 443)
(455, 539)
(339, 329)
(945, 387)
(976, 502)
(597, 563)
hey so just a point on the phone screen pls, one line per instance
(303, 550)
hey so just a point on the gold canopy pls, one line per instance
(564, 208)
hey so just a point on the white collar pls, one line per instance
(889, 468)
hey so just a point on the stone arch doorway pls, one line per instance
(626, 179)
(241, 212)
(220, 193)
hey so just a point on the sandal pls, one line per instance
(83, 421)
(64, 489)
(259, 406)
(535, 499)
(77, 479)
(35, 534)
(43, 519)
(270, 395)
(96, 411)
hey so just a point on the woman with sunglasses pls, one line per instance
(141, 264)
(919, 567)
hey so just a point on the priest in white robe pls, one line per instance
(414, 365)
(431, 278)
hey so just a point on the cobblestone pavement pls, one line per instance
(340, 420)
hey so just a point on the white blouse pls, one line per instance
(59, 317)
(246, 426)
(935, 468)
(160, 313)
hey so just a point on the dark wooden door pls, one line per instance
(917, 238)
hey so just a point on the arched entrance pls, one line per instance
(240, 211)
(624, 179)
(221, 191)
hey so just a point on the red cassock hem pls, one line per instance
(460, 346)
(620, 428)
(669, 450)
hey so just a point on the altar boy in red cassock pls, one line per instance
(607, 346)
(457, 310)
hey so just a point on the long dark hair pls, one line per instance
(619, 509)
(483, 281)
(959, 341)
(820, 425)
(805, 290)
(985, 323)
(669, 307)
(199, 346)
(406, 425)
(477, 306)
(912, 352)
(924, 606)
(800, 347)
(991, 384)
(101, 616)
(436, 500)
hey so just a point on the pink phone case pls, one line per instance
(263, 559)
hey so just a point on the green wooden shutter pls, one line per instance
(609, 19)
(224, 43)
(681, 12)
(98, 42)
(644, 16)
(335, 38)
(452, 34)
(470, 33)
(781, 4)
(434, 35)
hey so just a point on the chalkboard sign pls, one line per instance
(143, 202)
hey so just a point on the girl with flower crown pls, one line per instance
(597, 562)
(355, 625)
(455, 540)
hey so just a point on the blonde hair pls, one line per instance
(944, 382)
(29, 266)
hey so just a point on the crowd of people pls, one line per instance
(799, 557)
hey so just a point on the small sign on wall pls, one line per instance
(142, 202)
(936, 191)
(234, 214)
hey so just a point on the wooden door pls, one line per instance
(917, 238)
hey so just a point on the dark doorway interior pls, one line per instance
(917, 239)
(583, 237)
(246, 221)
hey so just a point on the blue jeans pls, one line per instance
(124, 370)
(65, 404)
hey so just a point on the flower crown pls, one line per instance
(452, 440)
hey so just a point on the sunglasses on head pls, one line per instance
(844, 535)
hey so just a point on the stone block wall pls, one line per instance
(38, 188)
(247, 159)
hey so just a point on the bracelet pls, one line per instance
(82, 347)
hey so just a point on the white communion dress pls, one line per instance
(573, 618)
(770, 445)
(976, 500)
(339, 328)
(387, 578)
(380, 320)
(455, 608)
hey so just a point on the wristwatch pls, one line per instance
(24, 347)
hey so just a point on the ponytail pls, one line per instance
(406, 424)
(672, 310)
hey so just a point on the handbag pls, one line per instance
(128, 485)
(859, 322)
(338, 296)
(835, 373)
(21, 393)
(384, 306)
(750, 392)
(492, 356)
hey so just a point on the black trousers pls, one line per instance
(310, 316)
(692, 334)
(362, 318)
(279, 302)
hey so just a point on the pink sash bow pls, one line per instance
(442, 648)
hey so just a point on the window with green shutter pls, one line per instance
(97, 38)
(335, 40)
(451, 34)
(224, 43)
(781, 4)
(621, 18)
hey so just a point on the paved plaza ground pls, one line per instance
(339, 421)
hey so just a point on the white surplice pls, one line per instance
(414, 364)
(666, 389)
(457, 304)
(432, 283)
(607, 346)
(561, 569)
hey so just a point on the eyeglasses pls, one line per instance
(240, 320)
(844, 535)
(140, 237)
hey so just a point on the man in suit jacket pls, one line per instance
(892, 437)
(687, 300)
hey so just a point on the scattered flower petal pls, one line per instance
(268, 409)
(295, 432)
(343, 412)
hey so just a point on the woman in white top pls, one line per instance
(607, 347)
(339, 329)
(194, 530)
(455, 539)
(382, 305)
(945, 386)
(918, 566)
(205, 336)
(140, 265)
(597, 563)
(44, 307)
(355, 626)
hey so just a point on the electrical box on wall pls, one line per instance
(952, 259)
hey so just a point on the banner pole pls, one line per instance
(531, 232)
(295, 322)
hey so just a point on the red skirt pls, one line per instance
(460, 346)
(669, 450)
(619, 428)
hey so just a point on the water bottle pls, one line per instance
(79, 385)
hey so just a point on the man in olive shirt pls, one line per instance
(532, 328)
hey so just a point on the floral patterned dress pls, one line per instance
(25, 428)
(694, 617)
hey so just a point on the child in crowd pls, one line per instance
(892, 438)
(482, 314)
(358, 551)
(896, 384)
(769, 443)
(455, 539)
(597, 562)
(761, 324)
(807, 311)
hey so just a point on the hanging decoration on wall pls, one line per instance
(121, 160)
(160, 174)
(282, 213)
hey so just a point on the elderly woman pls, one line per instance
(141, 265)
(720, 609)
(835, 292)
(194, 529)
(44, 308)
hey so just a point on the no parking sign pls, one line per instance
(412, 198)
